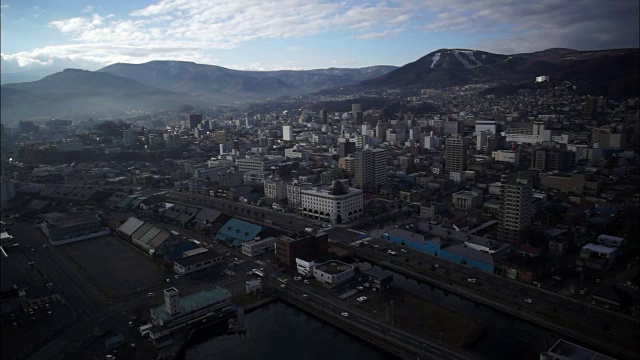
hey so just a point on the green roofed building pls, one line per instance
(236, 232)
(177, 312)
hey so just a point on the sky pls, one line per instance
(50, 35)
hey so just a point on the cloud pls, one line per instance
(194, 29)
(379, 34)
(206, 25)
(537, 25)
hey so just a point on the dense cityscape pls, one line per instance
(465, 205)
(525, 203)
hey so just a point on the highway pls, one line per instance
(419, 345)
(583, 317)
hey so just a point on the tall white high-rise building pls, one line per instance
(287, 133)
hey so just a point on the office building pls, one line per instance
(323, 116)
(275, 190)
(452, 127)
(357, 114)
(515, 210)
(172, 141)
(486, 125)
(258, 246)
(550, 159)
(346, 148)
(370, 167)
(337, 203)
(455, 153)
(256, 164)
(301, 245)
(128, 137)
(287, 133)
(194, 120)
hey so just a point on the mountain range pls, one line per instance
(159, 85)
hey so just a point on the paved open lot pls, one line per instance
(115, 267)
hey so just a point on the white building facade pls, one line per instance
(334, 206)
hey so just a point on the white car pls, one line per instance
(168, 280)
(366, 285)
(177, 276)
(404, 250)
(307, 282)
(283, 286)
(345, 314)
(151, 294)
(362, 298)
(305, 296)
(297, 278)
(360, 288)
(528, 301)
(471, 280)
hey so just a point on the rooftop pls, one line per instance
(564, 350)
(73, 220)
(197, 258)
(131, 225)
(192, 302)
(334, 267)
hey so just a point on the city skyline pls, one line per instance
(298, 34)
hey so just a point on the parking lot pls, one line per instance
(115, 267)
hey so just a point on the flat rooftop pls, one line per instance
(74, 220)
(198, 258)
(334, 267)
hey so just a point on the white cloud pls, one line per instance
(192, 29)
(205, 25)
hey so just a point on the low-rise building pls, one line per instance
(197, 262)
(333, 273)
(258, 246)
(177, 312)
(64, 229)
(304, 267)
(597, 257)
(467, 200)
(379, 278)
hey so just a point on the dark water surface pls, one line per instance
(281, 332)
